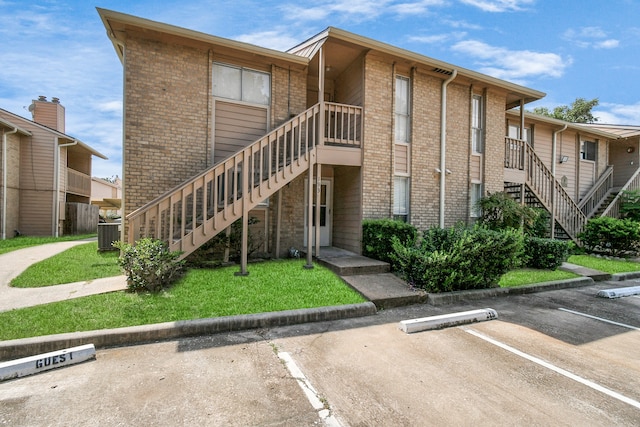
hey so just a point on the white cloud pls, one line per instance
(607, 44)
(513, 65)
(438, 38)
(415, 8)
(499, 5)
(610, 113)
(272, 39)
(590, 37)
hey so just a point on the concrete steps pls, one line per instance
(371, 278)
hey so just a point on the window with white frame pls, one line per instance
(588, 150)
(401, 198)
(476, 195)
(402, 110)
(241, 84)
(477, 124)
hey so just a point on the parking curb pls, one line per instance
(475, 294)
(132, 335)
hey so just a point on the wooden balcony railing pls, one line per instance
(78, 183)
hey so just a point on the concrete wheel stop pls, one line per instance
(46, 361)
(447, 320)
(619, 292)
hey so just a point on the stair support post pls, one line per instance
(317, 198)
(245, 215)
(309, 264)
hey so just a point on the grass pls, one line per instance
(270, 286)
(607, 265)
(79, 263)
(22, 242)
(527, 276)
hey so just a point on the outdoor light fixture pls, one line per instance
(564, 159)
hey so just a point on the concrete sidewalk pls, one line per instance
(12, 264)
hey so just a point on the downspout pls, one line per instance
(443, 143)
(4, 181)
(56, 176)
(554, 150)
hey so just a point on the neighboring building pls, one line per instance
(217, 130)
(45, 186)
(107, 195)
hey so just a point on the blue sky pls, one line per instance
(567, 49)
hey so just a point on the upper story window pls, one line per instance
(477, 124)
(588, 150)
(402, 110)
(241, 84)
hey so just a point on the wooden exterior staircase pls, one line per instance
(195, 211)
(523, 166)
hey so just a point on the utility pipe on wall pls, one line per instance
(443, 143)
(4, 181)
(554, 149)
(56, 176)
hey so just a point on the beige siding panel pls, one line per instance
(36, 213)
(237, 126)
(347, 217)
(543, 144)
(625, 163)
(349, 84)
(401, 158)
(587, 176)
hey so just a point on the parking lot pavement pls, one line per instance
(540, 363)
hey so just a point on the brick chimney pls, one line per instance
(48, 113)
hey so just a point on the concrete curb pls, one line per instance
(459, 296)
(172, 330)
(619, 277)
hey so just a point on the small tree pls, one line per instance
(578, 112)
(501, 212)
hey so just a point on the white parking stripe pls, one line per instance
(312, 395)
(599, 318)
(556, 369)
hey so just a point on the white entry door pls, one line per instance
(325, 200)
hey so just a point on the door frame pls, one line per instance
(327, 230)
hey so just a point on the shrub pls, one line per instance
(467, 259)
(501, 212)
(630, 204)
(546, 254)
(378, 234)
(148, 265)
(611, 235)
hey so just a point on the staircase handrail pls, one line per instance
(613, 210)
(598, 192)
(552, 194)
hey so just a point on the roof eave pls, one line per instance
(109, 16)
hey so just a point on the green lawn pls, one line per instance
(607, 265)
(79, 263)
(21, 242)
(527, 276)
(270, 286)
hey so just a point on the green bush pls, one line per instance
(378, 234)
(630, 204)
(467, 259)
(149, 265)
(611, 235)
(546, 254)
(501, 212)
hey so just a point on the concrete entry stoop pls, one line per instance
(371, 278)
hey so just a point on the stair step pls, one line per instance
(355, 265)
